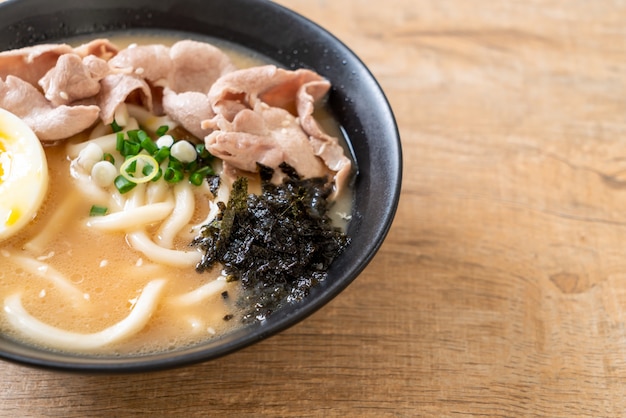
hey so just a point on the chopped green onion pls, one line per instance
(161, 154)
(115, 127)
(175, 164)
(130, 149)
(131, 144)
(133, 135)
(202, 151)
(173, 175)
(119, 143)
(123, 184)
(162, 130)
(98, 210)
(108, 157)
(130, 166)
(207, 170)
(149, 145)
(158, 175)
(184, 151)
(165, 141)
(192, 166)
(197, 177)
(147, 169)
(142, 135)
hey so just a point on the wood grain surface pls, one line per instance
(501, 288)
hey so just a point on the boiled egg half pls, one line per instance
(23, 174)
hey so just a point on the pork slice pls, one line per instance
(325, 146)
(98, 67)
(267, 135)
(31, 63)
(224, 112)
(115, 89)
(242, 150)
(300, 141)
(69, 80)
(189, 109)
(101, 48)
(282, 92)
(291, 139)
(267, 83)
(151, 62)
(48, 122)
(236, 90)
(196, 66)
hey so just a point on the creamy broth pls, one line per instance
(109, 274)
(240, 56)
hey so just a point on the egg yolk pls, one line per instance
(1, 151)
(23, 174)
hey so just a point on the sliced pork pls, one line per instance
(71, 79)
(267, 135)
(50, 123)
(151, 62)
(98, 67)
(274, 86)
(325, 146)
(100, 48)
(189, 109)
(254, 123)
(31, 63)
(196, 66)
(116, 89)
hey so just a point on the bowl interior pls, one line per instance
(356, 100)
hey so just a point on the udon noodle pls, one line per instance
(141, 245)
(124, 281)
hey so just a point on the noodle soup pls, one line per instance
(124, 281)
(106, 276)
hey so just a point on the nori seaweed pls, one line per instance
(279, 243)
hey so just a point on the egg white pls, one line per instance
(23, 174)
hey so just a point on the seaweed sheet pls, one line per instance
(279, 243)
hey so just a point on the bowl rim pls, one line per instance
(22, 17)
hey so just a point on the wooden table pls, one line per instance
(501, 288)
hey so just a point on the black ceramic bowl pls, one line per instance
(356, 100)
